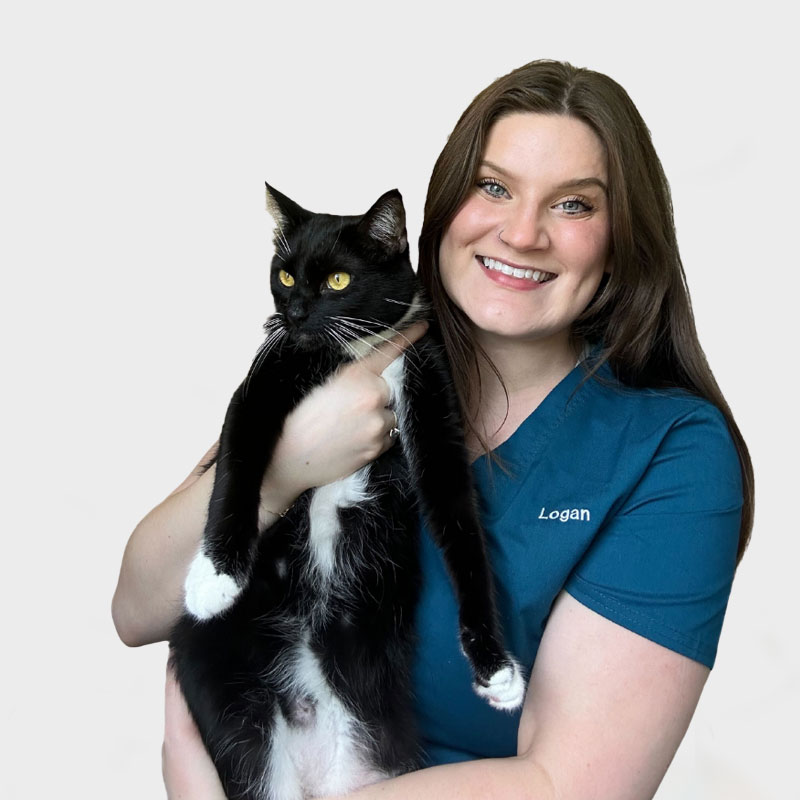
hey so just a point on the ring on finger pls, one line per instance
(394, 431)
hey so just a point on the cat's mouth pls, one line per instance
(318, 339)
(307, 340)
(535, 275)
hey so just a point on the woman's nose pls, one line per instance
(523, 229)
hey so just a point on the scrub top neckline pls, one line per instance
(520, 451)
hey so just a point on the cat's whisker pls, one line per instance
(385, 334)
(339, 233)
(374, 347)
(397, 302)
(339, 335)
(275, 321)
(357, 332)
(346, 323)
(371, 327)
(275, 332)
(361, 333)
(379, 329)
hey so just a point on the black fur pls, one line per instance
(235, 668)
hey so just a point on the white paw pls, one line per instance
(207, 592)
(506, 688)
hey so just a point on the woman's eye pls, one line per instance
(493, 188)
(338, 281)
(285, 278)
(574, 206)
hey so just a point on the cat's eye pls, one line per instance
(285, 278)
(338, 281)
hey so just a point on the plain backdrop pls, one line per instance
(136, 138)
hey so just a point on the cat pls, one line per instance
(294, 650)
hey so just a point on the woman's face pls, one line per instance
(538, 210)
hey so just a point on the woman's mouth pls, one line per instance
(497, 268)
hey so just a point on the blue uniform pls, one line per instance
(628, 499)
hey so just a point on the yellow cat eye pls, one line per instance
(285, 278)
(338, 281)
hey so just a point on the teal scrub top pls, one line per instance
(628, 499)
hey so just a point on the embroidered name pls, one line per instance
(566, 514)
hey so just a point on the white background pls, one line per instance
(135, 142)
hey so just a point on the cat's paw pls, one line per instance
(505, 689)
(208, 592)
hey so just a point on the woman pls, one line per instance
(622, 496)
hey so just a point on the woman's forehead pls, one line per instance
(553, 147)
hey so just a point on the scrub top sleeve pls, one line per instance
(663, 564)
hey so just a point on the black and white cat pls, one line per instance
(294, 652)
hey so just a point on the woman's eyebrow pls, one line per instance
(496, 168)
(580, 183)
(574, 183)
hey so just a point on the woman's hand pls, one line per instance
(341, 426)
(189, 773)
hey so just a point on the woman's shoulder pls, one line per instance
(683, 440)
(648, 406)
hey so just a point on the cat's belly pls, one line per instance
(319, 750)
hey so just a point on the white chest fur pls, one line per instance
(325, 526)
(324, 518)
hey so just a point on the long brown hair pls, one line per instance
(642, 313)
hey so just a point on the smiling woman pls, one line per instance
(626, 499)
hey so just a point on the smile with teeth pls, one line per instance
(529, 274)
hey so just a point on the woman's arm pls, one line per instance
(605, 712)
(189, 773)
(149, 594)
(338, 428)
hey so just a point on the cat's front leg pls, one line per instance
(221, 569)
(433, 441)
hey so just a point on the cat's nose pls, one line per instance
(296, 313)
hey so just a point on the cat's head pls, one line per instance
(337, 280)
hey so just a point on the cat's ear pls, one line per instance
(286, 213)
(385, 223)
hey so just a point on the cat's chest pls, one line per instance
(325, 521)
(357, 490)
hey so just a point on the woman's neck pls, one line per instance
(530, 370)
(528, 365)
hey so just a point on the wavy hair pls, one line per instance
(641, 313)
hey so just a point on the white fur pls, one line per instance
(394, 375)
(282, 779)
(350, 491)
(506, 689)
(207, 592)
(324, 516)
(384, 228)
(325, 756)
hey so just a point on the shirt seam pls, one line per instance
(613, 606)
